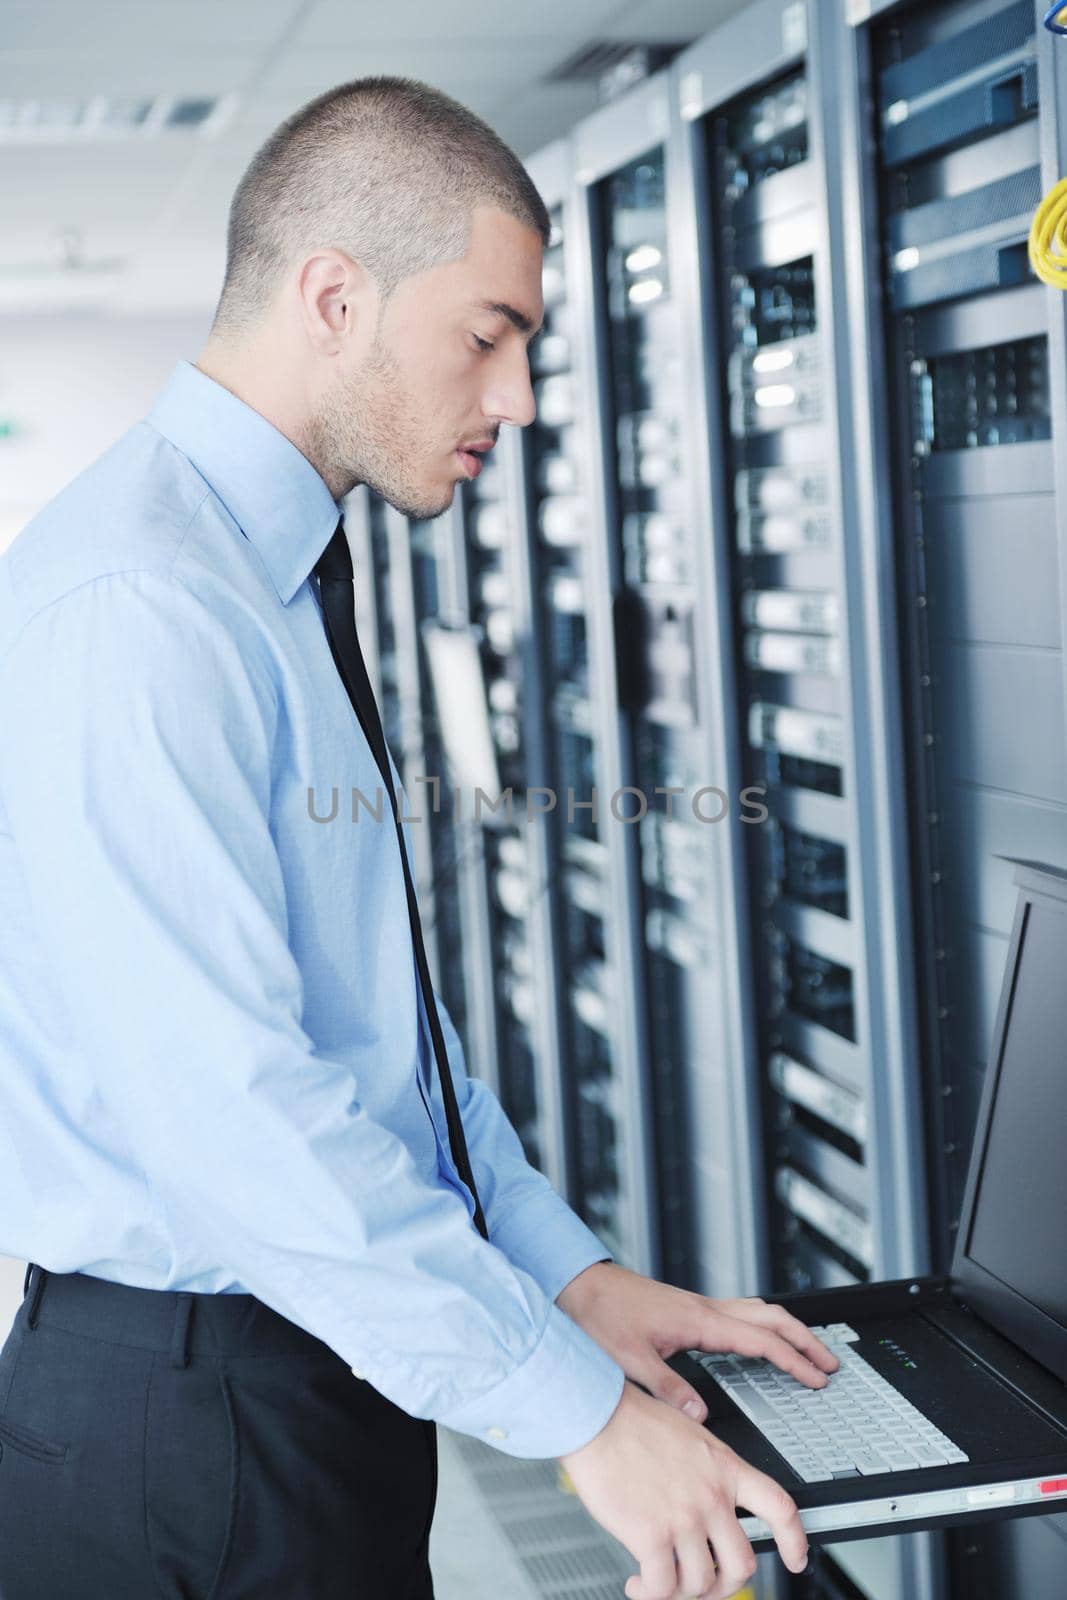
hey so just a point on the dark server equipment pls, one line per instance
(787, 636)
(801, 630)
(973, 475)
(438, 842)
(397, 571)
(556, 469)
(366, 525)
(654, 663)
(486, 596)
(656, 657)
(960, 125)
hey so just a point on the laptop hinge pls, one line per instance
(1003, 1360)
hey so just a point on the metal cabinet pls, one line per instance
(401, 568)
(833, 1051)
(953, 130)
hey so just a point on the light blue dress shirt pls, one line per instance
(214, 1066)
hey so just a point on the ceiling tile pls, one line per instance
(669, 21)
(42, 74)
(121, 25)
(530, 121)
(454, 22)
(163, 203)
(90, 183)
(491, 67)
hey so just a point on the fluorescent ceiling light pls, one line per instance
(104, 118)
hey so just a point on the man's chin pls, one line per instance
(420, 510)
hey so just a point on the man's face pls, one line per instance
(448, 365)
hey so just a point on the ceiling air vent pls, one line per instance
(614, 65)
(102, 118)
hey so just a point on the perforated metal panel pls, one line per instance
(563, 1552)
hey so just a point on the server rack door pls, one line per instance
(560, 481)
(834, 1052)
(971, 440)
(637, 661)
(811, 889)
(489, 528)
(396, 587)
(577, 950)
(541, 466)
(357, 527)
(1052, 124)
(466, 881)
(410, 600)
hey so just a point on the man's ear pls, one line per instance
(338, 299)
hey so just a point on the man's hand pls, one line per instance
(666, 1488)
(640, 1322)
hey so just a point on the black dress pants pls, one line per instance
(166, 1446)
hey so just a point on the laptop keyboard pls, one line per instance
(857, 1426)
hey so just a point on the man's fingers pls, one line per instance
(662, 1381)
(767, 1499)
(791, 1328)
(759, 1314)
(756, 1339)
(696, 1565)
(734, 1556)
(657, 1579)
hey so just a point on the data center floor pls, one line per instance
(504, 1531)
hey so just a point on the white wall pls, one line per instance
(72, 384)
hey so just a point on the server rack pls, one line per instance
(402, 576)
(513, 956)
(586, 1077)
(648, 672)
(822, 885)
(816, 883)
(965, 432)
(542, 564)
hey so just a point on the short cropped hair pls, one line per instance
(388, 170)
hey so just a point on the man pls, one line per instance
(275, 1231)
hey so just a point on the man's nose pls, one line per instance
(511, 399)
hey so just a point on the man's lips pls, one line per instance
(471, 455)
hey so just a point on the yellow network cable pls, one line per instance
(1047, 244)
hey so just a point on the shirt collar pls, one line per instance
(274, 494)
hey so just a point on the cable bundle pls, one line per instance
(1047, 244)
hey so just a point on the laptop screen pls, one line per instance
(1019, 1217)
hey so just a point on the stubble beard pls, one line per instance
(364, 433)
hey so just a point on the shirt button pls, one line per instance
(497, 1433)
(356, 1373)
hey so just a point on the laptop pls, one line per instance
(950, 1404)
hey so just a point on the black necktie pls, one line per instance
(334, 572)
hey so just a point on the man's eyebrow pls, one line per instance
(517, 318)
